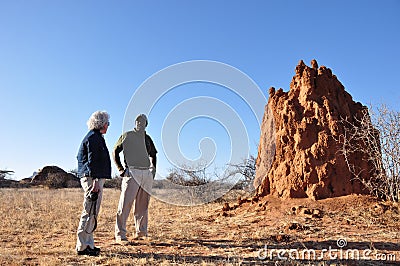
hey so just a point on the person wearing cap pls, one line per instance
(137, 178)
(94, 166)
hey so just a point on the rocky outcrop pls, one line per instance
(299, 153)
(55, 177)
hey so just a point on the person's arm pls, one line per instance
(94, 149)
(151, 150)
(116, 151)
(153, 161)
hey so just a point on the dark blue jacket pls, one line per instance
(93, 157)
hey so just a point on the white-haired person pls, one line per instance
(94, 166)
(138, 174)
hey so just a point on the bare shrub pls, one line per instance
(247, 170)
(189, 175)
(195, 184)
(378, 138)
(192, 179)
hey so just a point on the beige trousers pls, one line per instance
(135, 189)
(86, 223)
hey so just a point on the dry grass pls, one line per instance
(38, 226)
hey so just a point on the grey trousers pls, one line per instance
(135, 189)
(86, 223)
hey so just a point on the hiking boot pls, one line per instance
(89, 251)
(122, 241)
(96, 249)
(140, 236)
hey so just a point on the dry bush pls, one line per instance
(247, 170)
(189, 175)
(113, 183)
(195, 184)
(378, 137)
(192, 181)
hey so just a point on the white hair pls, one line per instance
(98, 120)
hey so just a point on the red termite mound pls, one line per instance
(299, 153)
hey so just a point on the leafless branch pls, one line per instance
(377, 139)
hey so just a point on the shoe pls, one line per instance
(140, 236)
(96, 249)
(122, 241)
(89, 251)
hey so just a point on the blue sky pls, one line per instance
(62, 60)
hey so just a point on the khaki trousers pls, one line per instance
(86, 222)
(135, 189)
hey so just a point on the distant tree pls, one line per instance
(4, 173)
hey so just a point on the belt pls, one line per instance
(140, 168)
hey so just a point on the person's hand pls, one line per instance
(153, 171)
(122, 173)
(96, 185)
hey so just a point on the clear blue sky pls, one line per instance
(62, 60)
